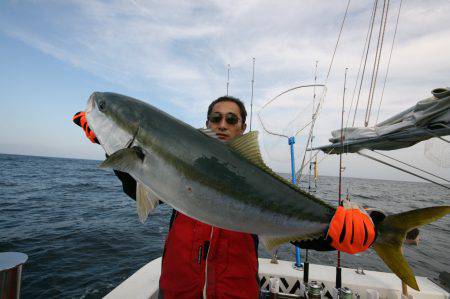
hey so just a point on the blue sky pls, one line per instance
(174, 55)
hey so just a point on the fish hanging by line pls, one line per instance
(225, 184)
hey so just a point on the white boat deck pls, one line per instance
(144, 283)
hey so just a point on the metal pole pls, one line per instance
(251, 99)
(291, 142)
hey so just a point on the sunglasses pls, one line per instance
(230, 118)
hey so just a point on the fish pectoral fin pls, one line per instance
(146, 201)
(125, 159)
(270, 243)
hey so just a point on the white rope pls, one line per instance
(359, 72)
(389, 61)
(365, 60)
(377, 61)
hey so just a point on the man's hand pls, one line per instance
(80, 119)
(351, 229)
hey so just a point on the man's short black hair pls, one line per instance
(230, 99)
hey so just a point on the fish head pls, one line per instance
(114, 120)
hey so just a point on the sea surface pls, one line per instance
(83, 237)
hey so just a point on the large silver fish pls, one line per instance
(224, 184)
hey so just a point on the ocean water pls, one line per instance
(83, 237)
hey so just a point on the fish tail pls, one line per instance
(391, 234)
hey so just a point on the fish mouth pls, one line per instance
(111, 136)
(91, 104)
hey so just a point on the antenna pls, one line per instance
(228, 77)
(251, 99)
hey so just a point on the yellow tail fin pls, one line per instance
(391, 235)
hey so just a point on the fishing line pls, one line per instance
(389, 60)
(412, 166)
(251, 99)
(324, 91)
(365, 60)
(359, 71)
(377, 61)
(401, 169)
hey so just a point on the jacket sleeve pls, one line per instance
(128, 183)
(324, 244)
(319, 244)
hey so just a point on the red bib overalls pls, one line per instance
(200, 258)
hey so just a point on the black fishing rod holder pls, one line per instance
(10, 274)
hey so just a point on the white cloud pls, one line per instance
(182, 48)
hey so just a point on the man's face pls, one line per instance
(223, 129)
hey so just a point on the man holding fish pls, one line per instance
(223, 193)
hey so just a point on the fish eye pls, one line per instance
(101, 105)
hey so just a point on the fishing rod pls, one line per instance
(311, 137)
(338, 267)
(251, 99)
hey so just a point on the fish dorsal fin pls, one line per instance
(209, 133)
(247, 145)
(146, 201)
